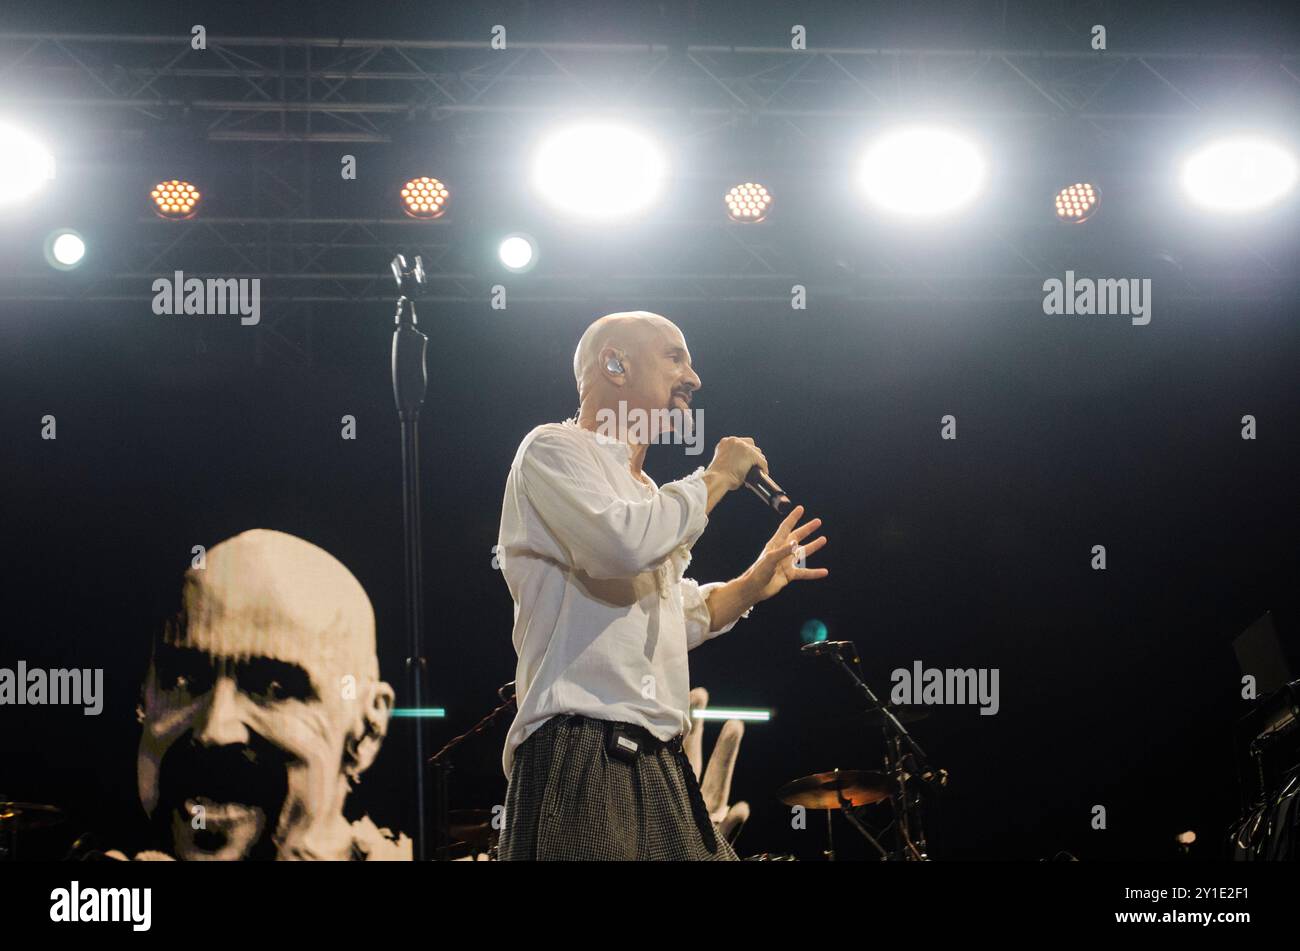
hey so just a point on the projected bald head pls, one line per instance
(655, 364)
(262, 704)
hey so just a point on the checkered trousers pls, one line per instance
(569, 800)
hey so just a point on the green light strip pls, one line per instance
(420, 713)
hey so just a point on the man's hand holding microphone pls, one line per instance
(732, 460)
(783, 558)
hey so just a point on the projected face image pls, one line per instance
(244, 755)
(262, 706)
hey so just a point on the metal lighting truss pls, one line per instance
(285, 96)
(358, 90)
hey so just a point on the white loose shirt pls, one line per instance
(594, 560)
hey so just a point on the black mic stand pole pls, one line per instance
(410, 379)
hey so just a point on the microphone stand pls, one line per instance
(895, 759)
(410, 379)
(846, 806)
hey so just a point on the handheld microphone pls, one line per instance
(768, 491)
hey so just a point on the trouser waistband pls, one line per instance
(650, 744)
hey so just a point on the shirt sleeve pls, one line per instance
(696, 610)
(606, 536)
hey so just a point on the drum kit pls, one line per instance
(902, 784)
(849, 791)
(17, 818)
(471, 836)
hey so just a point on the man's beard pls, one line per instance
(234, 794)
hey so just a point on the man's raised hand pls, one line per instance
(783, 558)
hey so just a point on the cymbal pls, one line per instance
(875, 717)
(821, 790)
(30, 815)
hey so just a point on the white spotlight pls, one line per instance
(922, 172)
(599, 170)
(516, 252)
(1241, 174)
(25, 165)
(64, 249)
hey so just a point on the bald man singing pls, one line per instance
(594, 553)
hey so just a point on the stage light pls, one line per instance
(517, 252)
(922, 172)
(65, 249)
(25, 165)
(175, 199)
(751, 714)
(599, 171)
(748, 203)
(1077, 202)
(812, 632)
(424, 197)
(1236, 175)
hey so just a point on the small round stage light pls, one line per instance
(1238, 175)
(748, 203)
(424, 197)
(517, 252)
(175, 199)
(65, 249)
(25, 165)
(1077, 202)
(813, 631)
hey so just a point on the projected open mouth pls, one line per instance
(205, 829)
(219, 802)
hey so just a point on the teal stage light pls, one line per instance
(812, 631)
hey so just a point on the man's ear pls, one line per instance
(361, 749)
(612, 353)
